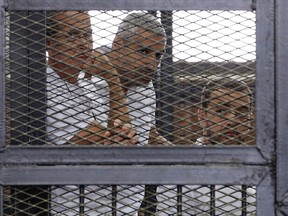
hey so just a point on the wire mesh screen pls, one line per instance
(129, 200)
(62, 87)
(130, 78)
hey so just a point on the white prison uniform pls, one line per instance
(196, 199)
(141, 104)
(68, 108)
(72, 108)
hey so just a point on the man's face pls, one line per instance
(138, 59)
(71, 43)
(227, 118)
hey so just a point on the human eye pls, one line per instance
(220, 110)
(243, 112)
(87, 35)
(243, 109)
(60, 35)
(158, 55)
(74, 34)
(144, 51)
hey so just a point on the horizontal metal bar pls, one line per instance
(167, 5)
(131, 155)
(66, 175)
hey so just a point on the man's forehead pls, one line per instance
(73, 18)
(223, 95)
(148, 38)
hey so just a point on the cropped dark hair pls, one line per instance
(224, 82)
(52, 24)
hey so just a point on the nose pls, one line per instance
(152, 63)
(230, 118)
(82, 43)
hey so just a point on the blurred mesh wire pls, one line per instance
(205, 44)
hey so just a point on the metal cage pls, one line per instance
(37, 176)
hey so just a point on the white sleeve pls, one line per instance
(142, 104)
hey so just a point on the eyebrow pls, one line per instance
(224, 103)
(228, 104)
(244, 107)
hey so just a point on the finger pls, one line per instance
(117, 122)
(117, 139)
(127, 129)
(107, 134)
(126, 126)
(132, 133)
(134, 140)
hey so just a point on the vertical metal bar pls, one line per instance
(179, 200)
(154, 13)
(114, 200)
(19, 78)
(282, 105)
(244, 200)
(81, 200)
(166, 90)
(265, 204)
(28, 78)
(2, 75)
(18, 91)
(1, 201)
(212, 200)
(149, 203)
(265, 78)
(37, 78)
(28, 84)
(265, 99)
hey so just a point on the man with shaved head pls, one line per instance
(83, 83)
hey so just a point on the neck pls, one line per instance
(66, 73)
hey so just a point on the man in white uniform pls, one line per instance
(136, 53)
(72, 106)
(69, 47)
(225, 116)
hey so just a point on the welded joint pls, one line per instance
(285, 200)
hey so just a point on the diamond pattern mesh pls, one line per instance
(207, 45)
(128, 200)
(60, 74)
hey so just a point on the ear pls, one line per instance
(201, 117)
(48, 44)
(48, 41)
(251, 118)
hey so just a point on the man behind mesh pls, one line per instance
(225, 116)
(71, 104)
(136, 53)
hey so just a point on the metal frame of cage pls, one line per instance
(264, 165)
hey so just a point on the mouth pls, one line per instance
(230, 134)
(145, 80)
(84, 57)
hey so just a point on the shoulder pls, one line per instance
(103, 49)
(49, 70)
(147, 90)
